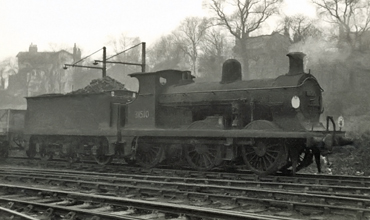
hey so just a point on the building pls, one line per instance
(266, 55)
(42, 72)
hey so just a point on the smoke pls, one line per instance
(343, 74)
(319, 51)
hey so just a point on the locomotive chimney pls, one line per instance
(295, 63)
(231, 71)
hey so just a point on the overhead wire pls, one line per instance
(124, 51)
(87, 56)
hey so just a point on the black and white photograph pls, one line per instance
(184, 109)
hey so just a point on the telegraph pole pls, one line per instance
(105, 60)
(104, 70)
(143, 45)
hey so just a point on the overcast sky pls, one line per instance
(90, 23)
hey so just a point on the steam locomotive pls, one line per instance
(267, 124)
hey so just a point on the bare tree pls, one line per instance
(241, 18)
(7, 67)
(123, 42)
(128, 49)
(55, 47)
(166, 54)
(298, 28)
(216, 48)
(189, 35)
(351, 16)
(216, 43)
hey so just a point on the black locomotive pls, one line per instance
(270, 124)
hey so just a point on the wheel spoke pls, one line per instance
(210, 155)
(254, 162)
(264, 157)
(208, 159)
(194, 157)
(272, 146)
(263, 164)
(148, 155)
(192, 151)
(273, 151)
(153, 150)
(202, 157)
(249, 150)
(203, 160)
(252, 152)
(253, 157)
(268, 155)
(258, 163)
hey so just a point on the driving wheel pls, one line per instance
(44, 155)
(102, 159)
(148, 154)
(265, 156)
(203, 156)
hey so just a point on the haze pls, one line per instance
(91, 23)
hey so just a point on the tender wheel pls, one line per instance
(4, 154)
(30, 153)
(265, 156)
(103, 159)
(174, 155)
(73, 158)
(46, 155)
(4, 149)
(100, 150)
(148, 155)
(203, 156)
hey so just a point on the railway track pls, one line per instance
(48, 203)
(320, 185)
(290, 200)
(312, 180)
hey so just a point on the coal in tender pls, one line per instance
(101, 85)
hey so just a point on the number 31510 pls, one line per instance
(142, 114)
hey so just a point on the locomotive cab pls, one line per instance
(145, 110)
